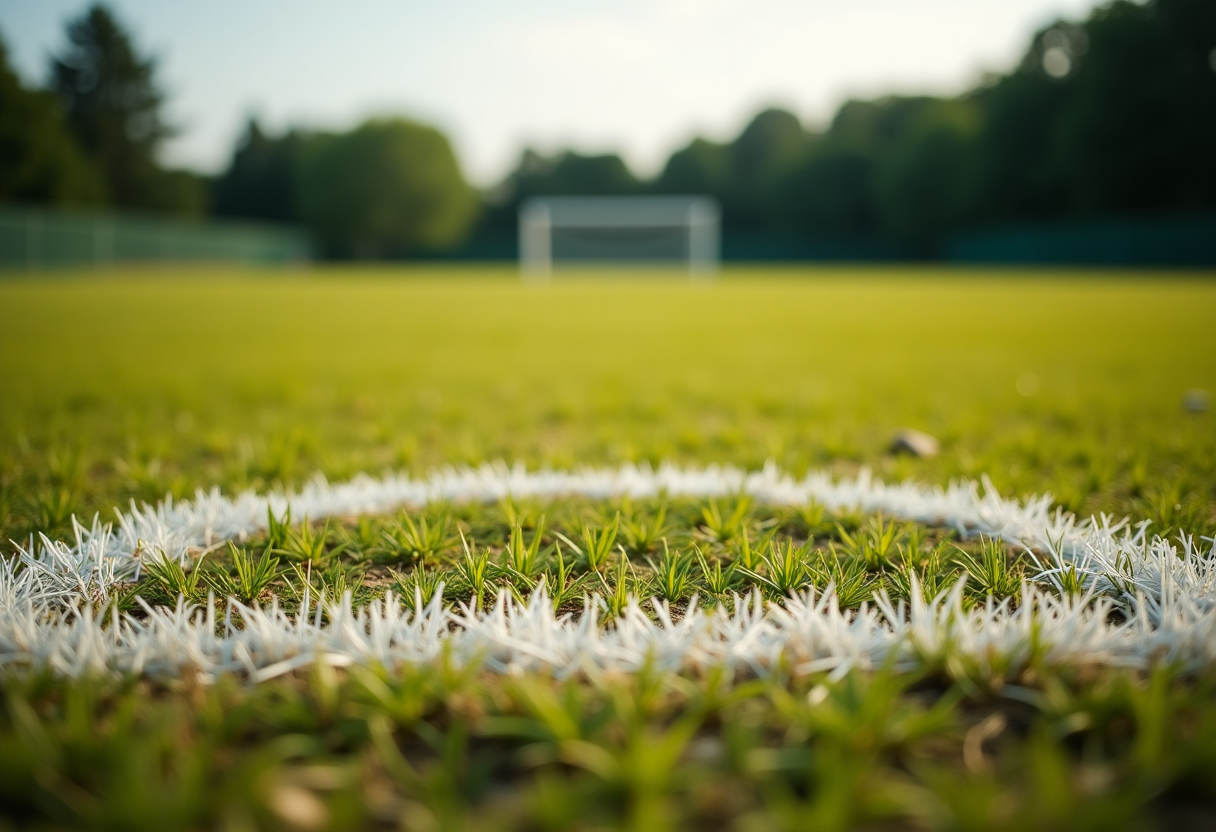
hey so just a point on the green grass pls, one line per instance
(491, 551)
(133, 385)
(129, 386)
(374, 749)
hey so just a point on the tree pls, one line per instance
(389, 187)
(1140, 130)
(877, 170)
(703, 167)
(830, 193)
(772, 143)
(112, 104)
(922, 188)
(261, 179)
(42, 162)
(1020, 172)
(1116, 115)
(572, 174)
(561, 174)
(1112, 116)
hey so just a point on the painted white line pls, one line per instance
(1166, 591)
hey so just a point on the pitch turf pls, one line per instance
(134, 385)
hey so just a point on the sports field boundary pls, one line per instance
(1145, 600)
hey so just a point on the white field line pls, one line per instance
(1166, 591)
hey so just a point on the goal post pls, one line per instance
(616, 231)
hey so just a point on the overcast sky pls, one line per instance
(638, 77)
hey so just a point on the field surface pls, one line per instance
(133, 386)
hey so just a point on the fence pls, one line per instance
(1187, 241)
(1184, 241)
(33, 238)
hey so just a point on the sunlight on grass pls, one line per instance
(127, 386)
(122, 386)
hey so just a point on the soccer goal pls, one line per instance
(618, 231)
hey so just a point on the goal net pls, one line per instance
(601, 231)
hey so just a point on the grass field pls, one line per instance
(137, 385)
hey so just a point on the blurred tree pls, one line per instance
(772, 143)
(1113, 116)
(113, 107)
(572, 174)
(1140, 132)
(261, 180)
(876, 128)
(42, 162)
(830, 193)
(560, 174)
(922, 188)
(703, 167)
(876, 169)
(1019, 169)
(389, 187)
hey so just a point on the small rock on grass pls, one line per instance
(1197, 400)
(914, 442)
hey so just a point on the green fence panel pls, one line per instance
(32, 238)
(1182, 241)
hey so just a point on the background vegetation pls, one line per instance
(1113, 116)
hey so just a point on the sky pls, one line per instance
(636, 77)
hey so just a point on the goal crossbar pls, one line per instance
(692, 220)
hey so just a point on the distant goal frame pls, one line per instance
(696, 220)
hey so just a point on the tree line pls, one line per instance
(1111, 116)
